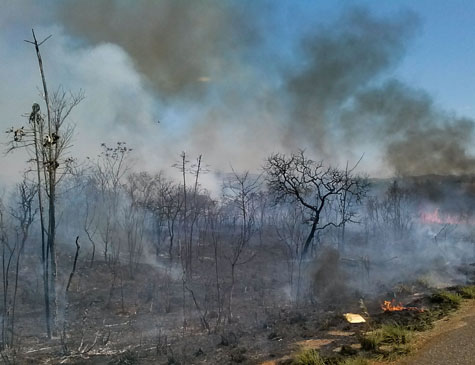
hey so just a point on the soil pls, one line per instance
(123, 316)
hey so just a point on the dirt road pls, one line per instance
(452, 342)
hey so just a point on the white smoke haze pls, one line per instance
(117, 107)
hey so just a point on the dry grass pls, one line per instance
(467, 292)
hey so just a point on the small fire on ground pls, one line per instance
(391, 306)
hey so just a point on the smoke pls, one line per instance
(417, 137)
(228, 80)
(438, 150)
(329, 281)
(340, 98)
(340, 60)
(181, 46)
(202, 61)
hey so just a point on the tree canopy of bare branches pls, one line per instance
(315, 187)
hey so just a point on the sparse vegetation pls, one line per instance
(308, 357)
(467, 292)
(446, 301)
(422, 321)
(313, 357)
(127, 358)
(355, 361)
(387, 341)
(393, 338)
(395, 334)
(371, 341)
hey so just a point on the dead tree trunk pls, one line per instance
(48, 150)
(50, 295)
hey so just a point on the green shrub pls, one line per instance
(371, 341)
(394, 352)
(355, 361)
(422, 321)
(467, 292)
(393, 338)
(309, 357)
(395, 334)
(447, 301)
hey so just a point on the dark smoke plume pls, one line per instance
(340, 60)
(340, 99)
(418, 138)
(334, 96)
(179, 45)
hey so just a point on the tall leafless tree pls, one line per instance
(47, 141)
(22, 215)
(290, 227)
(109, 172)
(297, 178)
(240, 193)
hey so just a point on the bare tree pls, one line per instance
(162, 199)
(7, 257)
(214, 226)
(197, 169)
(190, 208)
(182, 167)
(47, 142)
(316, 187)
(290, 228)
(139, 189)
(166, 204)
(393, 213)
(109, 171)
(90, 224)
(263, 205)
(397, 210)
(240, 194)
(24, 214)
(13, 241)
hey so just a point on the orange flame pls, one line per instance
(391, 306)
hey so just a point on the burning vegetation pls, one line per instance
(391, 306)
